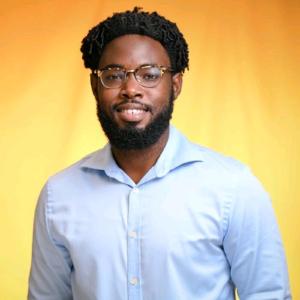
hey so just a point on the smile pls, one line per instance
(133, 111)
(131, 105)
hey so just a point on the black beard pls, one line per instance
(132, 138)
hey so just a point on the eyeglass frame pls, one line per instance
(162, 69)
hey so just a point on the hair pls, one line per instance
(136, 22)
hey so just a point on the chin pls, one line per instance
(132, 135)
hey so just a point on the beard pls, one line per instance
(132, 138)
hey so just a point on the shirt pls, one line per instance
(196, 226)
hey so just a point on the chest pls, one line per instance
(166, 215)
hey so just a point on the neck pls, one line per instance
(136, 163)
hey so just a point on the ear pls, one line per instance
(176, 84)
(94, 85)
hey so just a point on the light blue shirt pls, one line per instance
(196, 226)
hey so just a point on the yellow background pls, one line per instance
(240, 97)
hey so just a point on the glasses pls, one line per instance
(147, 76)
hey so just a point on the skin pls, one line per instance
(131, 51)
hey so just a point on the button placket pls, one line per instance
(133, 246)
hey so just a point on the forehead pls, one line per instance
(133, 50)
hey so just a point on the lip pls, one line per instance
(132, 115)
(132, 112)
(131, 105)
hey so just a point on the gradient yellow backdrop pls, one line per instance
(240, 97)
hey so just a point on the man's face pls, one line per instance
(133, 116)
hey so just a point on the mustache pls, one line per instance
(144, 106)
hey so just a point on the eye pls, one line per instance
(113, 75)
(149, 74)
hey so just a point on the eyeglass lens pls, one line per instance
(147, 76)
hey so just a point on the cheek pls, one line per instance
(163, 95)
(107, 96)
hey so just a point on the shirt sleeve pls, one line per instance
(253, 244)
(50, 270)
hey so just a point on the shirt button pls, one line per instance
(134, 281)
(135, 190)
(132, 234)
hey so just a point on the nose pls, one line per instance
(131, 89)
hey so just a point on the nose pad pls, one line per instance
(131, 88)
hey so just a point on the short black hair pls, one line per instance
(136, 22)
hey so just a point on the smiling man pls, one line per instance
(151, 216)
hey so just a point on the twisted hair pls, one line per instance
(136, 22)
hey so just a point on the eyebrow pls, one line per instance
(123, 67)
(112, 66)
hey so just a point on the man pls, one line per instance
(151, 216)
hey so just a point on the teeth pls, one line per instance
(133, 111)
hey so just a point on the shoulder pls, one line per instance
(183, 152)
(220, 161)
(226, 176)
(73, 175)
(218, 166)
(245, 185)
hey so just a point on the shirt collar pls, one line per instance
(178, 151)
(101, 160)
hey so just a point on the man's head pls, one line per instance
(135, 113)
